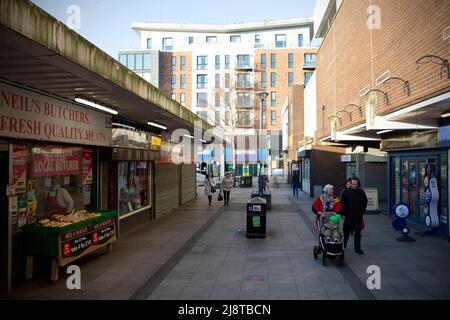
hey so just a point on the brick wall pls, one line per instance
(352, 56)
(296, 118)
(166, 76)
(281, 69)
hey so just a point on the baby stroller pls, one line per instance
(331, 243)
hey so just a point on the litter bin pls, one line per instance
(245, 182)
(256, 218)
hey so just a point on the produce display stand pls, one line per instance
(69, 243)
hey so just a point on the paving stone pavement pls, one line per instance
(201, 252)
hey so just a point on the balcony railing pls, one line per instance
(242, 85)
(242, 65)
(309, 65)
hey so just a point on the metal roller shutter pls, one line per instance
(188, 182)
(166, 188)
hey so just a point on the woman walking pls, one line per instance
(227, 184)
(326, 202)
(209, 186)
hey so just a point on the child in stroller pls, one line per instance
(332, 227)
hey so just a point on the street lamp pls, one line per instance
(262, 96)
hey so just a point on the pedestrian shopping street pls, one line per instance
(201, 252)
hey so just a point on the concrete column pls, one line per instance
(361, 167)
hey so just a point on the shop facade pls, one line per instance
(413, 160)
(49, 154)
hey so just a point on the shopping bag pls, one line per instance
(220, 196)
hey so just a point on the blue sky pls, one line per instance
(106, 23)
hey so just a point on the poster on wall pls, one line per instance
(55, 161)
(87, 166)
(17, 169)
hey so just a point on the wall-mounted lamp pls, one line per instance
(349, 114)
(385, 94)
(436, 60)
(354, 105)
(336, 117)
(406, 87)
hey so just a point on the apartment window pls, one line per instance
(280, 40)
(174, 63)
(235, 38)
(290, 60)
(227, 80)
(139, 61)
(263, 103)
(174, 82)
(217, 82)
(202, 62)
(263, 61)
(227, 61)
(243, 61)
(211, 39)
(202, 81)
(227, 99)
(243, 80)
(263, 80)
(123, 59)
(174, 96)
(191, 40)
(182, 81)
(182, 98)
(217, 62)
(273, 99)
(217, 118)
(146, 63)
(149, 43)
(167, 44)
(300, 40)
(307, 77)
(257, 39)
(273, 118)
(202, 99)
(273, 79)
(217, 100)
(203, 115)
(264, 119)
(227, 117)
(273, 60)
(182, 63)
(243, 99)
(309, 60)
(290, 79)
(131, 61)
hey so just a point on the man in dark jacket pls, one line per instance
(354, 203)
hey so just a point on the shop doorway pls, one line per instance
(410, 174)
(3, 221)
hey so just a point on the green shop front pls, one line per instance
(49, 183)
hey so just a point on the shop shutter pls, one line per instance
(188, 182)
(166, 188)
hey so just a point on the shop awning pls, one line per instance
(40, 52)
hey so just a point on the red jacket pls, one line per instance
(318, 206)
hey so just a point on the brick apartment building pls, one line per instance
(218, 71)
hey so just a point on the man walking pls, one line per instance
(295, 184)
(354, 203)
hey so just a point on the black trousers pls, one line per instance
(209, 199)
(226, 197)
(353, 224)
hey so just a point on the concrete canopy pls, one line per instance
(40, 52)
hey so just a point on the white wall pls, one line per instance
(310, 102)
(285, 124)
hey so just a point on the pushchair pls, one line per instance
(328, 247)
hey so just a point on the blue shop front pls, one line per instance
(418, 177)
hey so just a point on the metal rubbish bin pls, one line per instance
(256, 218)
(245, 182)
